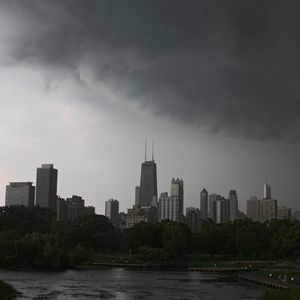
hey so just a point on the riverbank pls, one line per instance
(7, 292)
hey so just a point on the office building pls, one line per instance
(204, 203)
(19, 193)
(268, 210)
(284, 213)
(46, 186)
(253, 209)
(267, 191)
(169, 208)
(137, 196)
(193, 219)
(112, 211)
(148, 184)
(219, 210)
(296, 215)
(177, 191)
(233, 205)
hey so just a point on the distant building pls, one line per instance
(296, 215)
(284, 213)
(219, 209)
(212, 213)
(267, 191)
(253, 209)
(204, 203)
(148, 186)
(137, 196)
(268, 210)
(135, 216)
(20, 193)
(193, 219)
(177, 191)
(72, 208)
(46, 186)
(61, 209)
(169, 208)
(233, 205)
(112, 211)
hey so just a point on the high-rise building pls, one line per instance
(212, 209)
(204, 203)
(267, 191)
(233, 205)
(268, 210)
(169, 208)
(296, 215)
(112, 211)
(193, 219)
(218, 209)
(177, 190)
(137, 196)
(284, 213)
(253, 209)
(46, 186)
(148, 184)
(20, 193)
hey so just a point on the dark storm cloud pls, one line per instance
(226, 66)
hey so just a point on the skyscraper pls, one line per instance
(267, 191)
(268, 210)
(168, 207)
(46, 186)
(177, 190)
(137, 196)
(253, 209)
(204, 203)
(20, 193)
(233, 205)
(112, 210)
(148, 184)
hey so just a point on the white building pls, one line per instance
(169, 208)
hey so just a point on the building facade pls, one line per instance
(268, 210)
(204, 203)
(233, 205)
(112, 211)
(169, 208)
(178, 191)
(46, 186)
(284, 213)
(253, 209)
(148, 184)
(20, 193)
(267, 191)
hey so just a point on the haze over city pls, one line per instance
(215, 84)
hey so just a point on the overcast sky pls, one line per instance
(216, 83)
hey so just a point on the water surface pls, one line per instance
(119, 283)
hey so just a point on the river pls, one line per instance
(118, 283)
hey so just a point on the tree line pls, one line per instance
(32, 238)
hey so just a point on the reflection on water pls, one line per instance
(125, 284)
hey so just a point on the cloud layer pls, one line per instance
(230, 67)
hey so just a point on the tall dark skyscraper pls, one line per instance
(148, 184)
(46, 186)
(204, 203)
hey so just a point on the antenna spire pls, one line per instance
(152, 149)
(145, 148)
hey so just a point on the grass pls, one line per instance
(7, 292)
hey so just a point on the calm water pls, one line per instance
(125, 284)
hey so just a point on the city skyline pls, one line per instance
(47, 175)
(82, 83)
